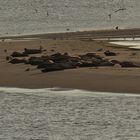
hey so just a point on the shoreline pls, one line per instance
(87, 34)
(64, 91)
(104, 83)
(104, 79)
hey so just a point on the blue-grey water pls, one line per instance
(55, 114)
(43, 16)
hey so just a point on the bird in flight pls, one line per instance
(47, 13)
(110, 15)
(121, 9)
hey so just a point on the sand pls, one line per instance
(109, 79)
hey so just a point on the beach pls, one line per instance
(69, 70)
(109, 79)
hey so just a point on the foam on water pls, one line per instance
(61, 91)
(134, 44)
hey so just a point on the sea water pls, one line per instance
(132, 44)
(43, 16)
(66, 114)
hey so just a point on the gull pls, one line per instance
(110, 15)
(36, 10)
(121, 9)
(47, 13)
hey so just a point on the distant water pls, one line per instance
(42, 16)
(59, 114)
(133, 44)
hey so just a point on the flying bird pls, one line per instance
(36, 10)
(121, 9)
(110, 15)
(47, 13)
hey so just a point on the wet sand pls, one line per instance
(110, 79)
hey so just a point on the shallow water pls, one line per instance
(42, 16)
(129, 43)
(19, 40)
(53, 114)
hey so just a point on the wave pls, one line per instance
(60, 91)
